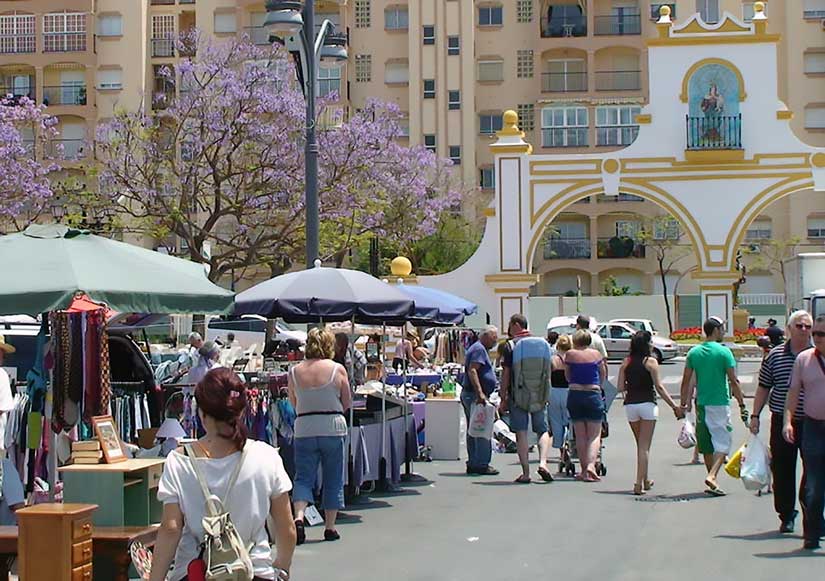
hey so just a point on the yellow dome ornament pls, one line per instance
(401, 266)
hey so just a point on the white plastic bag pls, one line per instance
(482, 417)
(755, 472)
(687, 435)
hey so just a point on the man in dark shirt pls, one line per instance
(479, 383)
(774, 333)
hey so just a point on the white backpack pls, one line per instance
(225, 555)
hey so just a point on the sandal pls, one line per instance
(522, 479)
(648, 484)
(300, 532)
(715, 491)
(545, 474)
(638, 490)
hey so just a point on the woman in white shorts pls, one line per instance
(639, 380)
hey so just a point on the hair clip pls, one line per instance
(234, 394)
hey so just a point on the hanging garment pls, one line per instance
(105, 372)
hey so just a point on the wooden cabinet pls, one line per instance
(126, 492)
(55, 542)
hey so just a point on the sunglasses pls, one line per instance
(803, 326)
(818, 334)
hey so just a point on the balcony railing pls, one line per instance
(603, 198)
(626, 24)
(564, 27)
(258, 35)
(17, 44)
(564, 82)
(718, 132)
(68, 149)
(620, 247)
(564, 137)
(163, 2)
(618, 80)
(14, 94)
(64, 42)
(163, 47)
(566, 248)
(64, 95)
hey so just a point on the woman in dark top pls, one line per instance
(639, 380)
(557, 414)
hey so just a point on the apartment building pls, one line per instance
(575, 70)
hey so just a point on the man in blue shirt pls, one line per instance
(479, 382)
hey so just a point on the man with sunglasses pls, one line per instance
(808, 386)
(774, 383)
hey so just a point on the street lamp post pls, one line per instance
(287, 19)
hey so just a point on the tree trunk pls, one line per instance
(664, 296)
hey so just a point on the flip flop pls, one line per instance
(545, 474)
(522, 480)
(715, 491)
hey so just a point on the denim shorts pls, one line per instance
(519, 417)
(585, 406)
(328, 452)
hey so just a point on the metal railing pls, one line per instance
(754, 299)
(68, 149)
(64, 95)
(14, 94)
(163, 47)
(163, 2)
(715, 132)
(626, 24)
(64, 42)
(605, 199)
(563, 27)
(566, 248)
(618, 80)
(18, 44)
(258, 35)
(620, 247)
(564, 82)
(564, 137)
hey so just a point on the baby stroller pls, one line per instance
(569, 455)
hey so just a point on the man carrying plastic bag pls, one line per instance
(755, 472)
(479, 383)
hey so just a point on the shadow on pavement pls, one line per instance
(454, 474)
(795, 554)
(763, 536)
(368, 505)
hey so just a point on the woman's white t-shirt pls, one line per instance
(262, 477)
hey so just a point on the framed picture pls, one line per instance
(109, 440)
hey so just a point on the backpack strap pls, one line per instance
(210, 505)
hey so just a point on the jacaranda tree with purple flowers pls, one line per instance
(220, 166)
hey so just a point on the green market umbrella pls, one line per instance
(45, 266)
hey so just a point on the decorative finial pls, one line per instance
(401, 266)
(664, 14)
(317, 263)
(510, 119)
(759, 11)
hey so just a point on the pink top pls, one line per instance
(810, 378)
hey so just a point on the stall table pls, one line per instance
(442, 427)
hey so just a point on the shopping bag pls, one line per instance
(482, 417)
(734, 466)
(687, 435)
(755, 472)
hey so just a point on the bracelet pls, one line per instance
(281, 574)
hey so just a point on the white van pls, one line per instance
(250, 330)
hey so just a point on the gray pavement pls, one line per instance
(452, 527)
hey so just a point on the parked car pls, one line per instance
(617, 337)
(250, 330)
(566, 324)
(638, 324)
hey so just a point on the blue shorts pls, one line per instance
(519, 417)
(558, 415)
(585, 406)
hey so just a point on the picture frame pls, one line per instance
(110, 443)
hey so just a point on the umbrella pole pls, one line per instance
(407, 467)
(383, 462)
(351, 420)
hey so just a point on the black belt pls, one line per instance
(320, 414)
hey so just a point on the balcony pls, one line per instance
(564, 137)
(619, 247)
(618, 80)
(163, 47)
(258, 35)
(64, 42)
(566, 248)
(163, 2)
(564, 82)
(720, 132)
(564, 27)
(64, 95)
(605, 199)
(18, 44)
(624, 25)
(67, 149)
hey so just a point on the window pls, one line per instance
(814, 62)
(526, 116)
(396, 18)
(616, 125)
(487, 178)
(453, 100)
(455, 154)
(816, 227)
(627, 228)
(760, 229)
(489, 123)
(524, 64)
(397, 73)
(565, 76)
(524, 10)
(110, 79)
(64, 32)
(666, 229)
(748, 11)
(329, 81)
(708, 10)
(815, 117)
(363, 13)
(225, 23)
(109, 25)
(363, 68)
(163, 35)
(453, 45)
(404, 127)
(429, 88)
(491, 70)
(654, 10)
(429, 142)
(429, 34)
(813, 9)
(564, 127)
(570, 230)
(490, 16)
(17, 33)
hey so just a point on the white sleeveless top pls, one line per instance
(319, 408)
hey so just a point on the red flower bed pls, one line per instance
(696, 334)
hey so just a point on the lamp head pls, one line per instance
(283, 17)
(334, 51)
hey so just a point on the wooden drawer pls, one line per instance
(83, 573)
(82, 529)
(82, 553)
(153, 474)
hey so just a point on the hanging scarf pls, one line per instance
(105, 372)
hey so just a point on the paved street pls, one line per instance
(452, 527)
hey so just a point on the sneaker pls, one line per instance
(788, 525)
(489, 471)
(331, 535)
(811, 544)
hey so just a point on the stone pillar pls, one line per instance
(717, 298)
(594, 236)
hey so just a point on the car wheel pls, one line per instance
(658, 355)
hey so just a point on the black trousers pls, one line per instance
(783, 467)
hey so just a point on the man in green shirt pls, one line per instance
(715, 370)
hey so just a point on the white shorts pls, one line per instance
(641, 411)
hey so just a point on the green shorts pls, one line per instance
(713, 429)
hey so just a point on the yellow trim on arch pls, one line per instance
(572, 188)
(704, 40)
(713, 61)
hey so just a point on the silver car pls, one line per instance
(617, 337)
